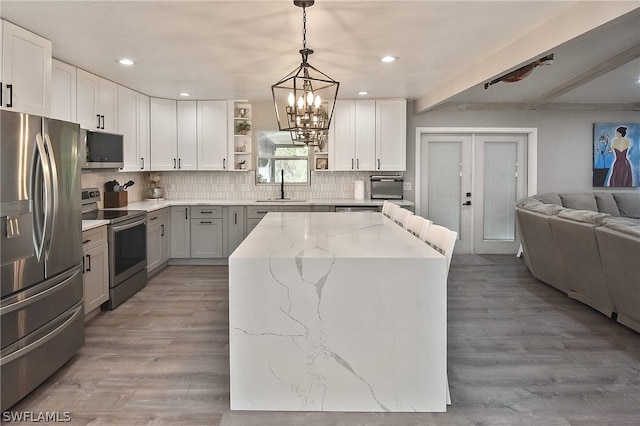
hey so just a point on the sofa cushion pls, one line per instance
(586, 216)
(606, 203)
(527, 201)
(626, 226)
(548, 209)
(580, 201)
(550, 198)
(628, 203)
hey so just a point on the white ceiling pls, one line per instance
(237, 49)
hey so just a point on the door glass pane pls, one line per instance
(445, 184)
(500, 186)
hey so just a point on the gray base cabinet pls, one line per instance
(158, 238)
(206, 232)
(180, 233)
(234, 220)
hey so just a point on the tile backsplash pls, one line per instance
(231, 185)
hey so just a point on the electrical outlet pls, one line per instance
(406, 186)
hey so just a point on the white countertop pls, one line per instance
(151, 205)
(354, 235)
(91, 224)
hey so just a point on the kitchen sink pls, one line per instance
(281, 200)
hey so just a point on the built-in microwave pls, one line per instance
(102, 150)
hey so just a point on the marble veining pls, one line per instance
(336, 313)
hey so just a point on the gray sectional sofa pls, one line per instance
(586, 245)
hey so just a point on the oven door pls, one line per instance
(127, 249)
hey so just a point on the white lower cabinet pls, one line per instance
(95, 268)
(206, 232)
(158, 238)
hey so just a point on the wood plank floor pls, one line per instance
(520, 353)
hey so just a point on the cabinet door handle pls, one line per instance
(378, 164)
(102, 117)
(162, 232)
(86, 241)
(179, 163)
(235, 218)
(10, 87)
(98, 126)
(174, 163)
(154, 218)
(357, 164)
(352, 164)
(142, 161)
(186, 214)
(83, 270)
(206, 221)
(1, 92)
(206, 212)
(224, 163)
(88, 262)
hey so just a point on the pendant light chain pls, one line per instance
(304, 27)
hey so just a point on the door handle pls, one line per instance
(10, 87)
(102, 117)
(142, 161)
(174, 163)
(162, 233)
(88, 263)
(466, 203)
(98, 126)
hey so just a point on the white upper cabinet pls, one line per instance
(365, 153)
(63, 91)
(97, 105)
(391, 135)
(25, 71)
(144, 145)
(213, 147)
(164, 134)
(128, 127)
(187, 135)
(342, 139)
(368, 135)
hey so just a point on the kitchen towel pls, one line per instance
(358, 190)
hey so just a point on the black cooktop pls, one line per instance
(112, 215)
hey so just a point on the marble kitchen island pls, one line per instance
(336, 312)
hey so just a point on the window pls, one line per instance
(276, 152)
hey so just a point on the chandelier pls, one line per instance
(305, 98)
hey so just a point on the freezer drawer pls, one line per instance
(32, 308)
(29, 362)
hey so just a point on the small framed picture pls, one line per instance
(322, 163)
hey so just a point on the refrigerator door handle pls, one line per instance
(42, 191)
(52, 203)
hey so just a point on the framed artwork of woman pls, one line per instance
(616, 154)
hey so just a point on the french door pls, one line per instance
(469, 183)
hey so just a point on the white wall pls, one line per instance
(564, 140)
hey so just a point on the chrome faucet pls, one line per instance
(282, 184)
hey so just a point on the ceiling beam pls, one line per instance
(610, 64)
(576, 20)
(524, 106)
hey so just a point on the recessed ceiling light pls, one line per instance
(362, 93)
(185, 94)
(126, 61)
(389, 59)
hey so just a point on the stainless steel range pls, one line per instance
(127, 238)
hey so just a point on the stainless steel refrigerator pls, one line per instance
(41, 308)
